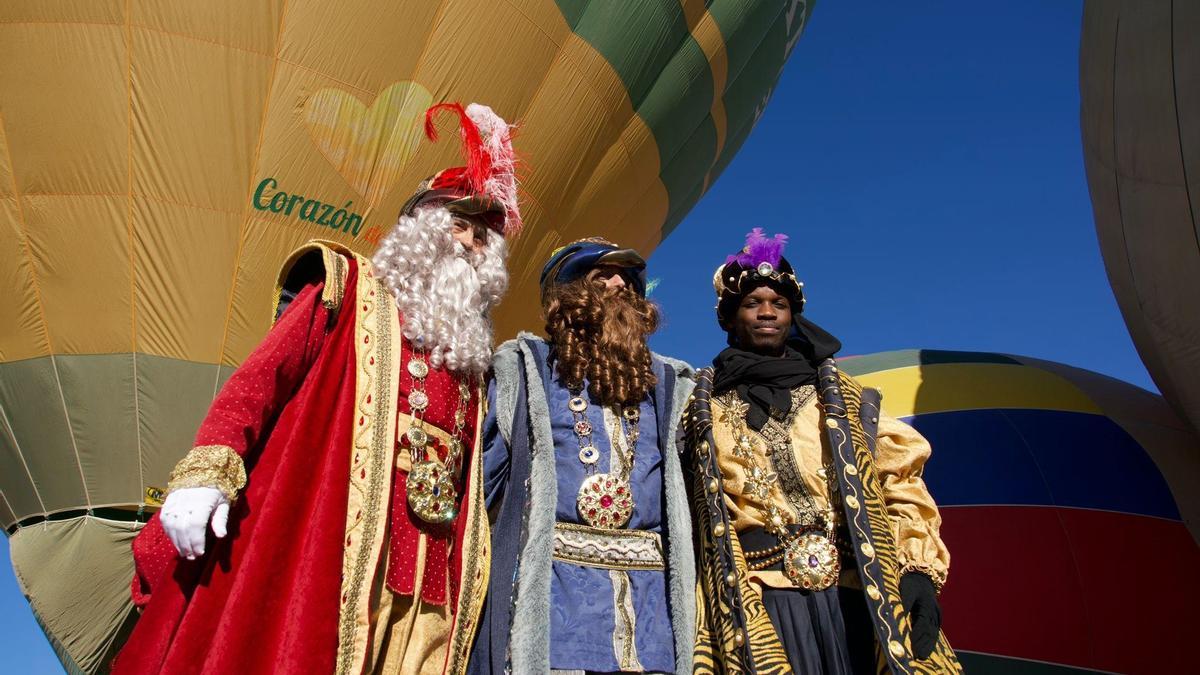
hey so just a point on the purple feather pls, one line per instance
(760, 249)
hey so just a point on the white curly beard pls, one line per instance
(445, 293)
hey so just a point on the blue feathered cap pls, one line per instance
(576, 259)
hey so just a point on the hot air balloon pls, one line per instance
(1070, 506)
(1139, 84)
(158, 160)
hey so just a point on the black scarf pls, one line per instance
(766, 382)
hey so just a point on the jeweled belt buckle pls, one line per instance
(811, 561)
(431, 493)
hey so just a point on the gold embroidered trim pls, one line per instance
(850, 445)
(937, 575)
(625, 625)
(337, 269)
(885, 577)
(476, 557)
(777, 433)
(215, 466)
(376, 383)
(608, 549)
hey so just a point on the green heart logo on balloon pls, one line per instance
(368, 145)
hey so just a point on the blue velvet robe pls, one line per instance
(581, 605)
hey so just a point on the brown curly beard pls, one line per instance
(599, 334)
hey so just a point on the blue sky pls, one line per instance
(926, 160)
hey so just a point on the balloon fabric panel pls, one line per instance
(991, 664)
(1165, 436)
(25, 335)
(66, 113)
(184, 277)
(1041, 457)
(970, 386)
(254, 28)
(173, 396)
(902, 358)
(1056, 593)
(84, 290)
(1036, 605)
(7, 515)
(40, 459)
(100, 422)
(82, 599)
(1139, 83)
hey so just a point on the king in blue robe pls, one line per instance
(592, 561)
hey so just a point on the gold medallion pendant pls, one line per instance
(604, 501)
(811, 561)
(431, 493)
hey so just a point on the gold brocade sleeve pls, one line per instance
(900, 456)
(215, 466)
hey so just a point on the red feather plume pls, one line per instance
(479, 162)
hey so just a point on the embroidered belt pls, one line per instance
(764, 551)
(608, 549)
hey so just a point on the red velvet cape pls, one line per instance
(282, 558)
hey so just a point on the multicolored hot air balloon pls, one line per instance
(1139, 85)
(1070, 504)
(158, 160)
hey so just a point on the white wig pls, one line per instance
(445, 293)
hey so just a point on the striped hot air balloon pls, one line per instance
(158, 160)
(1070, 504)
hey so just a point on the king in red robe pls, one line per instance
(338, 468)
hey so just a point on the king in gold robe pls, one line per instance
(817, 538)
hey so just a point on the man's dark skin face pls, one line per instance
(763, 322)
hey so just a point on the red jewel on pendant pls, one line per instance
(603, 501)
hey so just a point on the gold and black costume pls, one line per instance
(826, 500)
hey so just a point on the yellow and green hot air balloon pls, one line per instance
(158, 160)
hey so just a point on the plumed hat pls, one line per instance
(575, 260)
(759, 263)
(487, 186)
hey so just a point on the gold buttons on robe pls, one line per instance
(897, 649)
(731, 579)
(851, 470)
(703, 446)
(852, 501)
(712, 486)
(831, 423)
(719, 530)
(740, 638)
(873, 592)
(867, 550)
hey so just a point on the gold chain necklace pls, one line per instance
(430, 482)
(810, 556)
(605, 500)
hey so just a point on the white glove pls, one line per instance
(185, 515)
